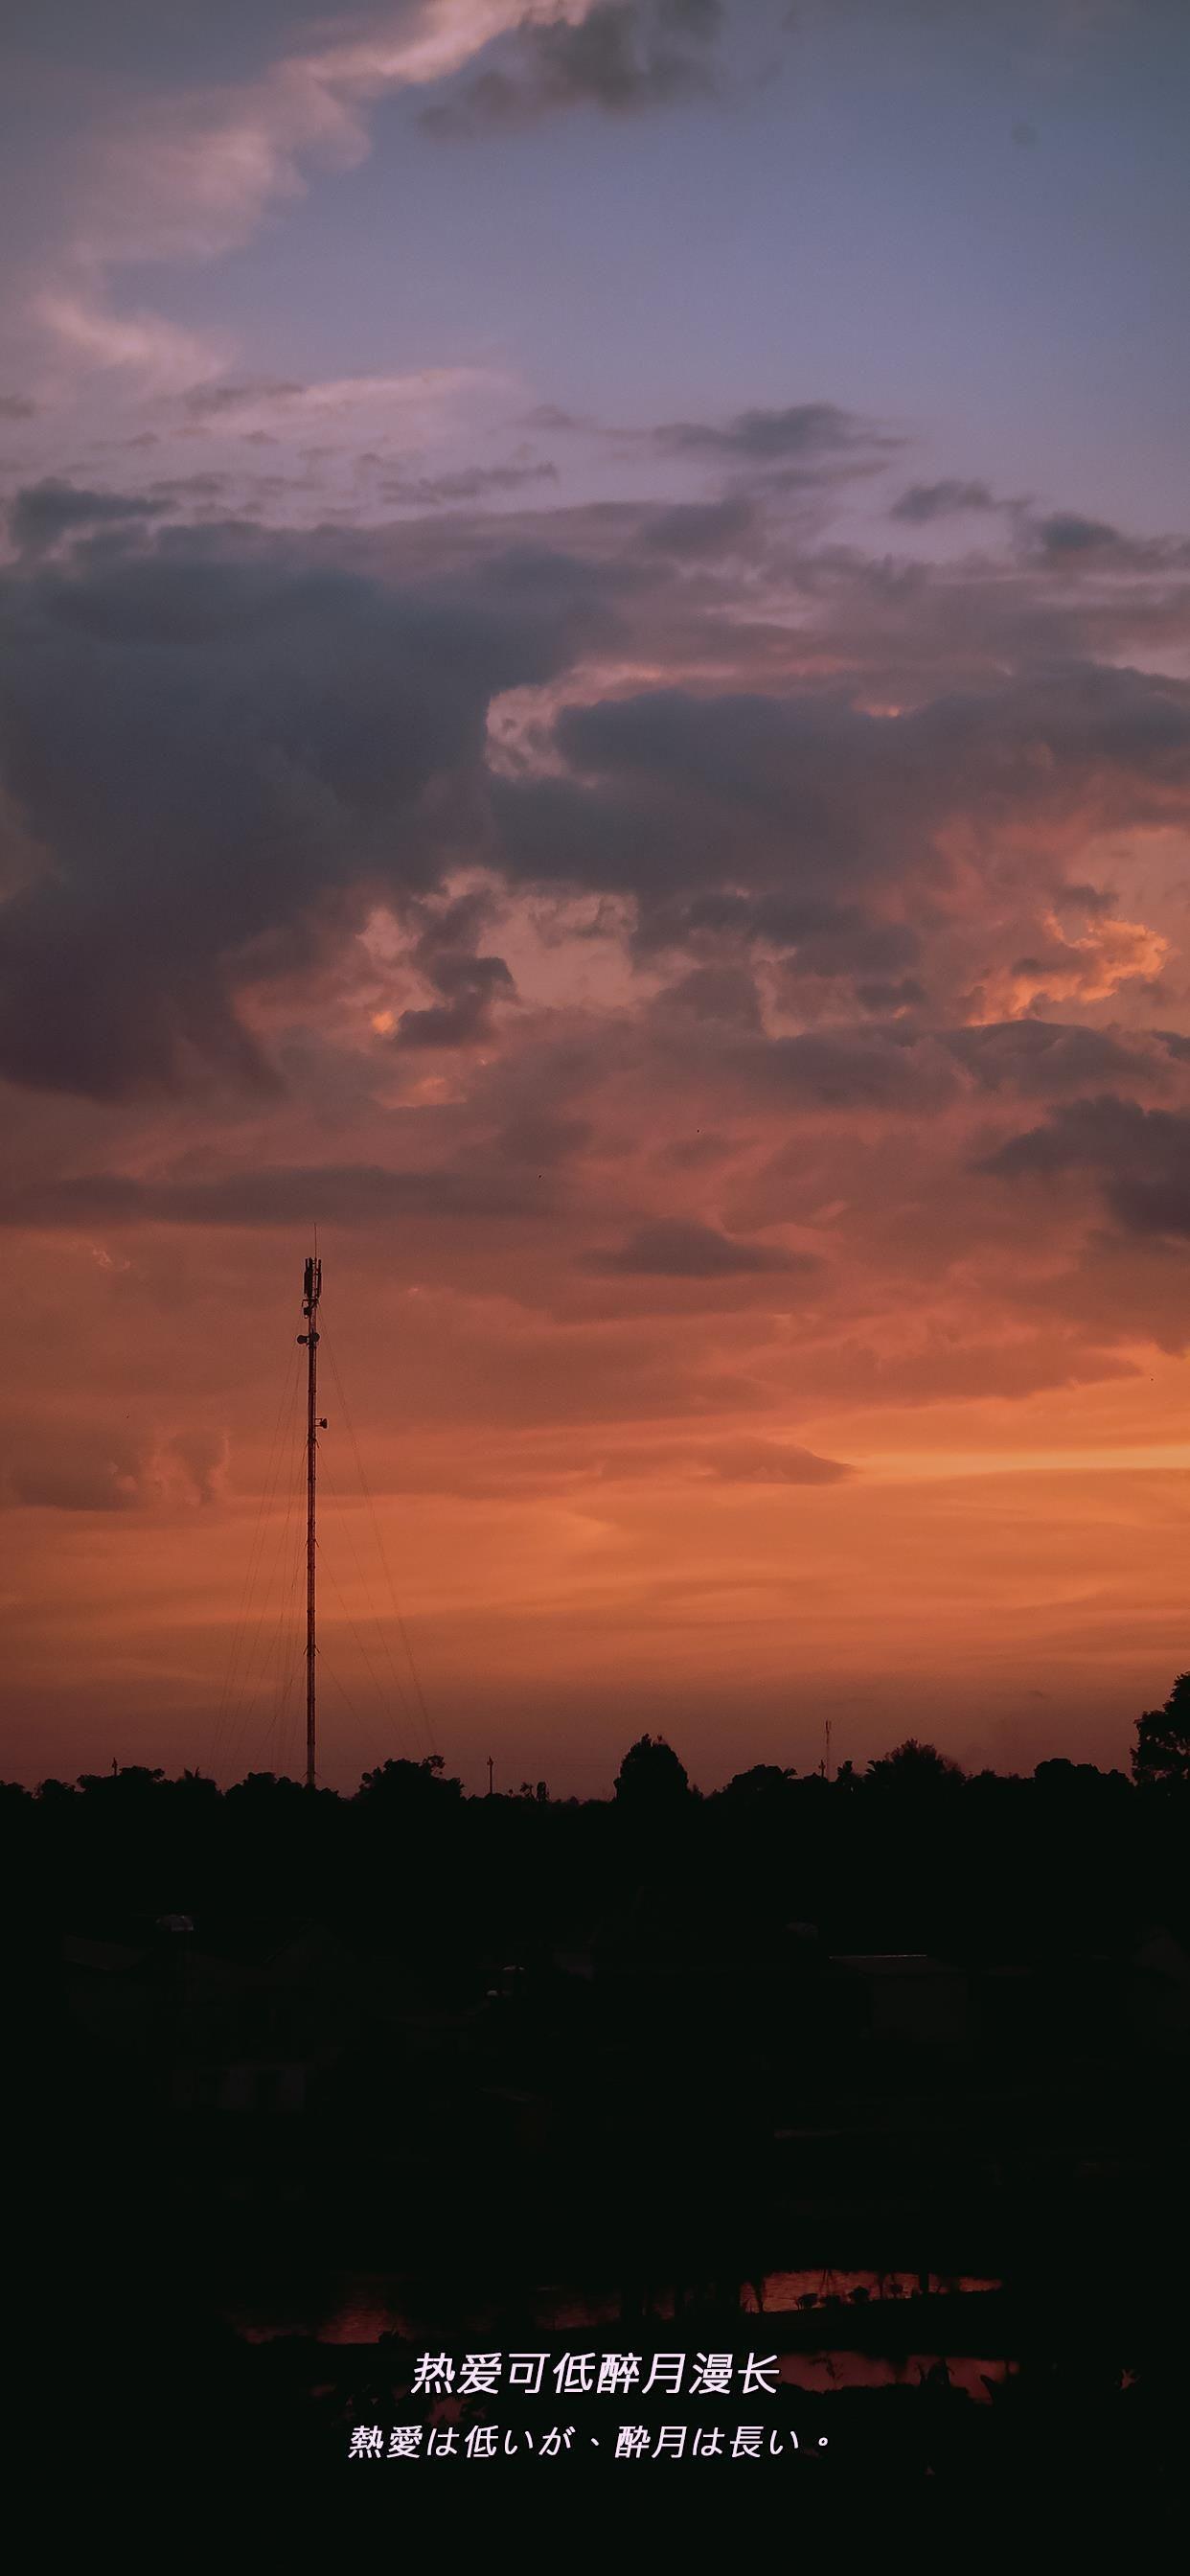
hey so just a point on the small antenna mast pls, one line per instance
(312, 1291)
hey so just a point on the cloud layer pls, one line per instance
(684, 885)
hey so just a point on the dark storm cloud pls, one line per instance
(42, 512)
(852, 945)
(854, 1068)
(904, 1065)
(899, 1067)
(1140, 1157)
(714, 993)
(902, 1068)
(926, 501)
(801, 431)
(1065, 534)
(348, 1194)
(1044, 1055)
(1065, 541)
(445, 491)
(466, 982)
(676, 797)
(219, 398)
(817, 936)
(880, 999)
(464, 1020)
(622, 57)
(677, 1248)
(703, 527)
(219, 745)
(671, 791)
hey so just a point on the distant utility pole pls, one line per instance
(312, 1291)
(826, 1758)
(491, 1770)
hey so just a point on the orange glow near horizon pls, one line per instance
(1004, 1575)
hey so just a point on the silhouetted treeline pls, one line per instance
(485, 2042)
(909, 1854)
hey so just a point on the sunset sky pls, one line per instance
(595, 700)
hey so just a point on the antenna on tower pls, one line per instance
(312, 1291)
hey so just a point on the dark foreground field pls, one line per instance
(883, 2089)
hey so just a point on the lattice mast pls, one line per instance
(312, 1291)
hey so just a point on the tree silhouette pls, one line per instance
(401, 1783)
(651, 1782)
(258, 1788)
(196, 1787)
(129, 1784)
(913, 1766)
(765, 1780)
(1162, 1752)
